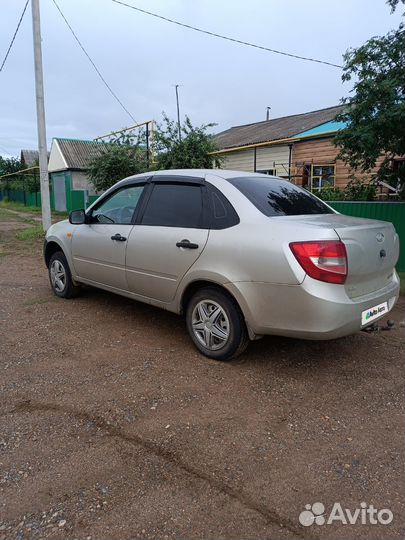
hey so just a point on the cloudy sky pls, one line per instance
(142, 58)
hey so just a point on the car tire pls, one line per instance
(60, 277)
(216, 324)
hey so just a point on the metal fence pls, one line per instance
(75, 200)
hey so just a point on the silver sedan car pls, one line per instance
(241, 255)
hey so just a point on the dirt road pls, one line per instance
(112, 425)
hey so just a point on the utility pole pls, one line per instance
(39, 92)
(178, 111)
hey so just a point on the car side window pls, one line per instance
(174, 205)
(223, 214)
(119, 208)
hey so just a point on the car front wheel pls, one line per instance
(60, 277)
(216, 325)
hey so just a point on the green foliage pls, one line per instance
(191, 152)
(20, 181)
(31, 233)
(375, 112)
(9, 165)
(331, 194)
(356, 190)
(118, 160)
(19, 207)
(126, 155)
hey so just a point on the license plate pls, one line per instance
(369, 315)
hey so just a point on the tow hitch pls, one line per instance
(379, 327)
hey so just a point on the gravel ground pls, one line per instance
(112, 425)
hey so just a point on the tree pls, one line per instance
(9, 166)
(118, 159)
(191, 152)
(126, 155)
(393, 4)
(375, 112)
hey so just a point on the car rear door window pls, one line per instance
(276, 197)
(174, 205)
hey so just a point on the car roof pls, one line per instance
(196, 173)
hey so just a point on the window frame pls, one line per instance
(111, 193)
(318, 177)
(175, 180)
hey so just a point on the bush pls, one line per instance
(116, 162)
(190, 151)
(356, 190)
(331, 194)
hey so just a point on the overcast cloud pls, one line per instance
(142, 57)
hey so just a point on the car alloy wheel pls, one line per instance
(210, 325)
(58, 276)
(216, 324)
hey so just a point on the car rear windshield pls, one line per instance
(276, 197)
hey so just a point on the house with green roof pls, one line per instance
(68, 162)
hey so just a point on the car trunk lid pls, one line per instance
(372, 249)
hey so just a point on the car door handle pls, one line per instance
(186, 244)
(118, 238)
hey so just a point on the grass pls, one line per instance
(31, 233)
(19, 207)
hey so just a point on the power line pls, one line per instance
(94, 65)
(227, 38)
(5, 150)
(14, 36)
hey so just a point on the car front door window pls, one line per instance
(119, 208)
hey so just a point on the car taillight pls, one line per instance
(325, 260)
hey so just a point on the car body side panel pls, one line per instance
(96, 257)
(61, 233)
(254, 252)
(155, 265)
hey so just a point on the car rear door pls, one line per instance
(99, 247)
(170, 236)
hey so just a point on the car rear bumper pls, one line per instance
(311, 310)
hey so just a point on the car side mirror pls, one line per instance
(77, 217)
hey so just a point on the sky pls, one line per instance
(142, 58)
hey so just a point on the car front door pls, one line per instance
(99, 247)
(169, 238)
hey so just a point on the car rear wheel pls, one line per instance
(60, 277)
(216, 325)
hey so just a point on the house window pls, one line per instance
(271, 172)
(322, 176)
